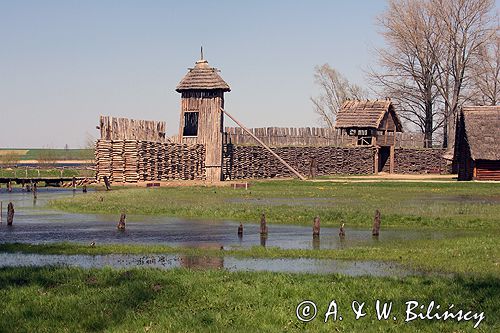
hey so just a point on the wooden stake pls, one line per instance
(342, 231)
(263, 224)
(121, 224)
(10, 213)
(264, 145)
(106, 182)
(316, 226)
(376, 223)
(240, 230)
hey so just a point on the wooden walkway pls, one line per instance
(49, 181)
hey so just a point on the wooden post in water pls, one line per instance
(84, 189)
(121, 224)
(240, 230)
(263, 225)
(376, 223)
(342, 231)
(10, 213)
(316, 226)
(35, 191)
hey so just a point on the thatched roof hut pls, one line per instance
(371, 123)
(367, 114)
(478, 143)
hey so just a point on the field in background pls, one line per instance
(44, 155)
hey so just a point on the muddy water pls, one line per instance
(322, 266)
(34, 223)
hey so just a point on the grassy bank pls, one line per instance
(478, 255)
(416, 205)
(76, 300)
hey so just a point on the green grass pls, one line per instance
(76, 300)
(414, 205)
(181, 300)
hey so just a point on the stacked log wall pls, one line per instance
(420, 161)
(131, 161)
(243, 162)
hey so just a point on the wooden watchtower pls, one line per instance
(371, 123)
(202, 122)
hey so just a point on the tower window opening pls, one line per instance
(190, 124)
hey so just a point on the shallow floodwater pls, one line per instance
(301, 265)
(34, 223)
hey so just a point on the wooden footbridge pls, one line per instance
(49, 181)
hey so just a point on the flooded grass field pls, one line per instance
(34, 223)
(406, 205)
(170, 271)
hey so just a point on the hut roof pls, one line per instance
(482, 125)
(365, 114)
(202, 77)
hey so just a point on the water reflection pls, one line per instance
(263, 240)
(300, 265)
(198, 262)
(316, 242)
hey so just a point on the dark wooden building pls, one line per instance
(202, 122)
(372, 123)
(478, 143)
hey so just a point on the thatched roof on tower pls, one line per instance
(202, 77)
(482, 124)
(366, 114)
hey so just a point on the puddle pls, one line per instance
(464, 199)
(33, 223)
(300, 265)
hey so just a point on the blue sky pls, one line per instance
(63, 63)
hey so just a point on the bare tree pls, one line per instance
(428, 63)
(408, 65)
(462, 29)
(485, 77)
(334, 90)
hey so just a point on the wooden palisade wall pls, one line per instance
(311, 137)
(113, 128)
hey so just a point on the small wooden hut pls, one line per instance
(371, 123)
(202, 122)
(478, 143)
